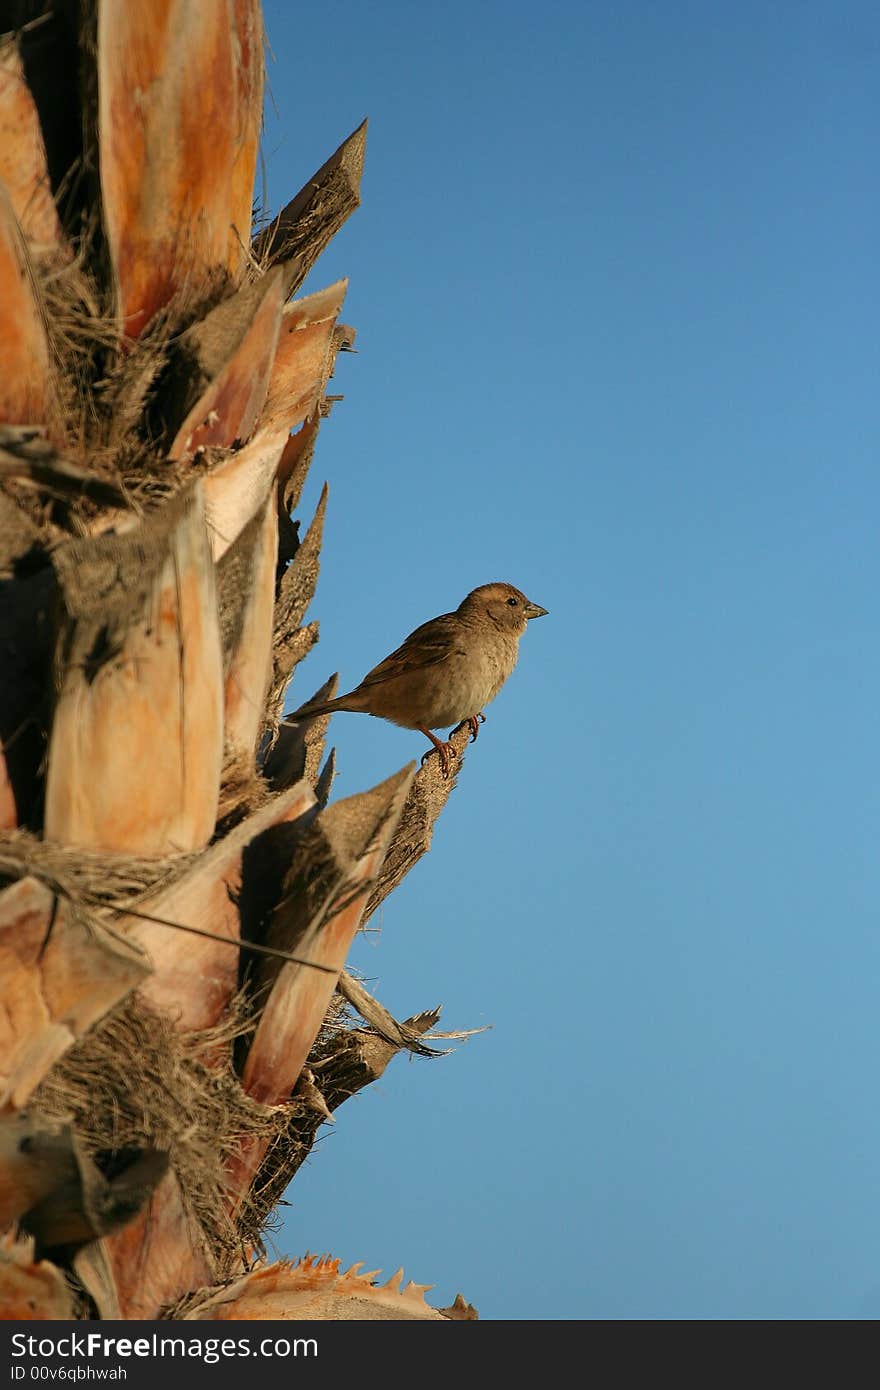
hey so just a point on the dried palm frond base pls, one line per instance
(316, 1288)
(135, 1081)
(242, 790)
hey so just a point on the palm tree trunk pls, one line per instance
(177, 897)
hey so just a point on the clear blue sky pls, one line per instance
(615, 284)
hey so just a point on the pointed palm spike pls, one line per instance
(312, 1288)
(303, 228)
(290, 641)
(298, 750)
(295, 462)
(414, 1290)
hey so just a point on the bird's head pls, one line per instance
(505, 606)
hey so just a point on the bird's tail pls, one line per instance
(313, 708)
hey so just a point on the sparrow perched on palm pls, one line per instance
(445, 671)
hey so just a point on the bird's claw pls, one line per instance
(446, 751)
(475, 721)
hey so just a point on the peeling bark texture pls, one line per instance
(155, 1259)
(26, 390)
(137, 736)
(23, 165)
(223, 366)
(58, 976)
(236, 489)
(303, 228)
(304, 357)
(177, 155)
(92, 1268)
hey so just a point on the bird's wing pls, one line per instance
(430, 644)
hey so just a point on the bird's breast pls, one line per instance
(472, 677)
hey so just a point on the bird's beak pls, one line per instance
(534, 610)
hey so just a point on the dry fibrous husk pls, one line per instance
(86, 878)
(136, 1081)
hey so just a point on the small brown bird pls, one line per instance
(445, 671)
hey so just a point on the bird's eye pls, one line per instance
(512, 602)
